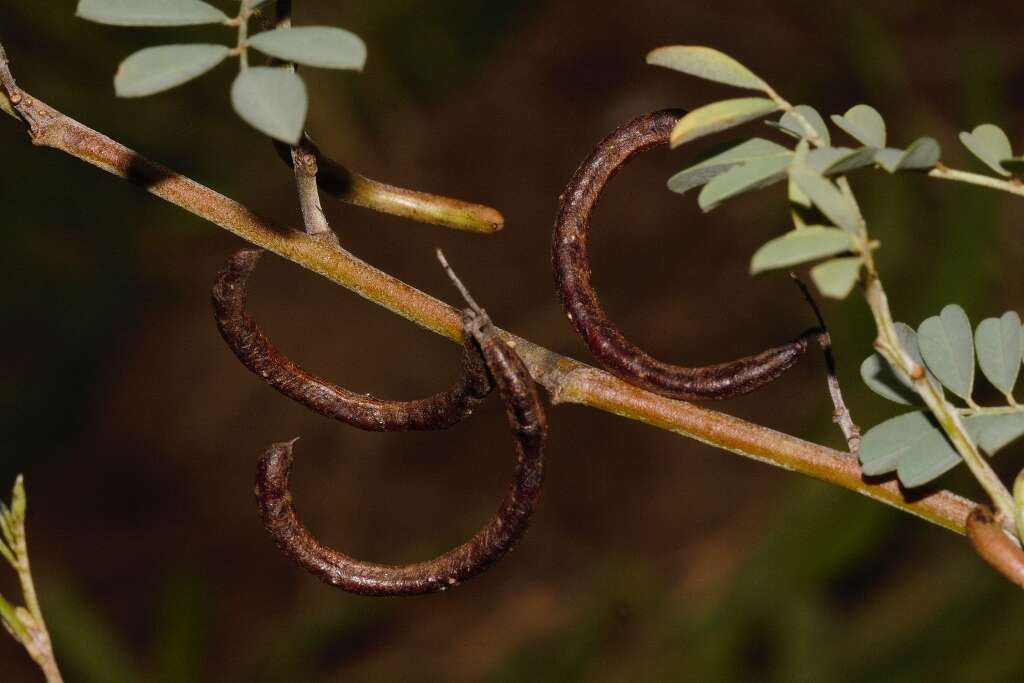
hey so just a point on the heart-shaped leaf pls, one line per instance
(700, 174)
(150, 12)
(320, 46)
(884, 381)
(990, 144)
(947, 346)
(881, 379)
(271, 100)
(992, 433)
(752, 175)
(998, 345)
(911, 444)
(706, 63)
(836, 278)
(156, 69)
(719, 116)
(800, 246)
(864, 124)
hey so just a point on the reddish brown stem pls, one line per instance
(571, 264)
(994, 546)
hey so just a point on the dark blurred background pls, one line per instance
(653, 557)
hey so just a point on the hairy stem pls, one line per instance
(567, 380)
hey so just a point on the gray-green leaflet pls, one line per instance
(272, 100)
(912, 444)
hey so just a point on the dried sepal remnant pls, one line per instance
(529, 427)
(994, 546)
(571, 265)
(260, 356)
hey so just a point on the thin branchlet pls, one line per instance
(571, 265)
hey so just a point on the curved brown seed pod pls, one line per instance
(529, 426)
(571, 265)
(260, 356)
(994, 546)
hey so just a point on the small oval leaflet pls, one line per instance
(920, 156)
(790, 123)
(884, 381)
(318, 46)
(879, 376)
(947, 345)
(864, 124)
(718, 116)
(706, 63)
(705, 171)
(836, 278)
(995, 432)
(150, 12)
(990, 144)
(271, 100)
(840, 160)
(156, 69)
(752, 175)
(998, 345)
(800, 246)
(827, 197)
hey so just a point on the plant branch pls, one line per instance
(304, 161)
(1013, 185)
(567, 380)
(26, 624)
(350, 187)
